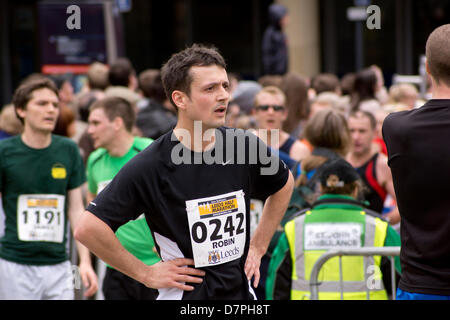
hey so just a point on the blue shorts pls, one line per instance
(404, 295)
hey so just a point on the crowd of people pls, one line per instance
(325, 131)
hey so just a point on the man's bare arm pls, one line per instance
(384, 176)
(273, 212)
(75, 210)
(299, 151)
(101, 240)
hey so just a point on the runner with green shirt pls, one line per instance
(110, 124)
(41, 176)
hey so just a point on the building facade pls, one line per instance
(321, 37)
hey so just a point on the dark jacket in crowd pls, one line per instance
(154, 120)
(274, 44)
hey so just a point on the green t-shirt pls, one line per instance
(135, 235)
(34, 185)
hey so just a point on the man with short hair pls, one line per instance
(97, 76)
(40, 182)
(417, 144)
(122, 81)
(326, 82)
(270, 113)
(198, 212)
(110, 124)
(370, 164)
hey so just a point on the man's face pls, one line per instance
(100, 128)
(41, 112)
(209, 96)
(66, 92)
(362, 135)
(284, 22)
(270, 111)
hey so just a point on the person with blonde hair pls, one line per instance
(9, 124)
(404, 94)
(323, 101)
(270, 113)
(97, 76)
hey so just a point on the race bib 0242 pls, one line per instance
(40, 217)
(217, 228)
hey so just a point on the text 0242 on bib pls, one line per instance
(217, 228)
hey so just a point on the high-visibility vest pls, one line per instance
(305, 249)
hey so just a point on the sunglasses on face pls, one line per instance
(266, 107)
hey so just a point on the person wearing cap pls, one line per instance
(244, 95)
(335, 221)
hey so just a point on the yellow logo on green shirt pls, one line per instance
(59, 171)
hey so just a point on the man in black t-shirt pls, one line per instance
(419, 157)
(195, 193)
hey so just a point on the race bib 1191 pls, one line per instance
(217, 228)
(40, 217)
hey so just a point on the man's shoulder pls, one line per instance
(59, 141)
(9, 142)
(395, 123)
(96, 155)
(395, 117)
(152, 150)
(8, 146)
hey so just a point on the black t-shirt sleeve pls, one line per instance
(393, 135)
(121, 200)
(269, 173)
